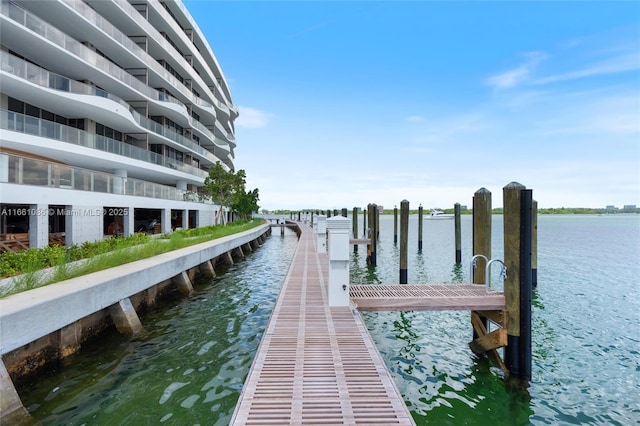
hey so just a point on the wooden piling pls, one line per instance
(420, 220)
(481, 232)
(395, 225)
(404, 234)
(365, 213)
(526, 287)
(517, 286)
(344, 213)
(354, 224)
(534, 248)
(458, 234)
(373, 232)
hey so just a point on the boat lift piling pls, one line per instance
(420, 217)
(395, 225)
(372, 211)
(458, 234)
(404, 234)
(354, 224)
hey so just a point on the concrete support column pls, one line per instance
(11, 409)
(125, 318)
(338, 229)
(68, 339)
(38, 225)
(83, 223)
(127, 222)
(207, 269)
(165, 221)
(185, 219)
(321, 231)
(183, 283)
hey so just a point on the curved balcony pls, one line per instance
(87, 13)
(31, 171)
(21, 123)
(155, 37)
(207, 65)
(36, 75)
(53, 35)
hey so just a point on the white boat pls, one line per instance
(439, 215)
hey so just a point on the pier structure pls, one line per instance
(317, 363)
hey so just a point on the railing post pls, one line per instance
(321, 231)
(338, 229)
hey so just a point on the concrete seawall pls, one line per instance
(52, 321)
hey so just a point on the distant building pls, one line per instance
(611, 207)
(629, 207)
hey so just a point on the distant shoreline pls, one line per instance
(560, 210)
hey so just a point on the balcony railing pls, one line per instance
(54, 35)
(30, 171)
(37, 75)
(47, 129)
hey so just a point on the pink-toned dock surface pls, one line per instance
(317, 365)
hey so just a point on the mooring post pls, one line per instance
(328, 213)
(338, 230)
(481, 232)
(534, 248)
(355, 228)
(395, 225)
(344, 212)
(404, 237)
(365, 213)
(481, 240)
(526, 287)
(420, 219)
(371, 247)
(517, 286)
(457, 225)
(321, 230)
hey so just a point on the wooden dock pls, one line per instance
(316, 364)
(425, 297)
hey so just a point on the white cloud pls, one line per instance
(622, 63)
(253, 118)
(518, 75)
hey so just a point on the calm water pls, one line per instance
(189, 366)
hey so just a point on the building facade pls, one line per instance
(112, 112)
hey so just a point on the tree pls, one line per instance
(223, 185)
(245, 203)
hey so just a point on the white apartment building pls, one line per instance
(112, 112)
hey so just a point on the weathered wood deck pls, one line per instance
(316, 364)
(421, 297)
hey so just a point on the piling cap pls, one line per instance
(514, 185)
(337, 222)
(483, 191)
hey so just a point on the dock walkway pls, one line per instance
(316, 364)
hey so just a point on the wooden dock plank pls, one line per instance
(317, 364)
(415, 297)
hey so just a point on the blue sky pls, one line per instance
(348, 103)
